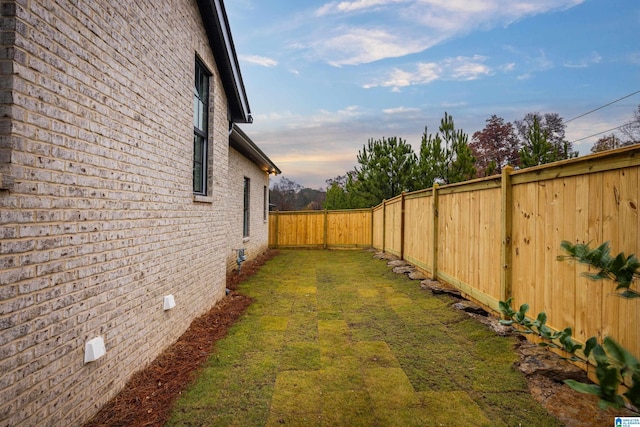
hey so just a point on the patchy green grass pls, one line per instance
(334, 338)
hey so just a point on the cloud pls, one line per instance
(356, 46)
(414, 25)
(595, 58)
(460, 68)
(320, 118)
(353, 6)
(401, 110)
(259, 60)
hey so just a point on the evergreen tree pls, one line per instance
(537, 149)
(386, 169)
(445, 157)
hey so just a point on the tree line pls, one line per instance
(389, 166)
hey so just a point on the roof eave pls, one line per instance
(245, 146)
(218, 31)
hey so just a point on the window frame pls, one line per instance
(265, 204)
(246, 210)
(201, 97)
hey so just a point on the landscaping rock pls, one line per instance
(417, 275)
(537, 360)
(385, 256)
(438, 288)
(404, 269)
(470, 307)
(397, 263)
(493, 323)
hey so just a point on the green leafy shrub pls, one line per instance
(621, 269)
(614, 364)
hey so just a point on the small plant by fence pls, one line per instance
(499, 237)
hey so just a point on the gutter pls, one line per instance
(245, 146)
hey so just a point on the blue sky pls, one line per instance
(323, 77)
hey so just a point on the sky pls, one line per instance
(324, 77)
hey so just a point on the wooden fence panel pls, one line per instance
(469, 241)
(589, 208)
(349, 228)
(393, 226)
(378, 227)
(320, 228)
(418, 230)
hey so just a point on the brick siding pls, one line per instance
(258, 239)
(101, 221)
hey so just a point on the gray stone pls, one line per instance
(404, 269)
(469, 307)
(438, 288)
(537, 360)
(417, 275)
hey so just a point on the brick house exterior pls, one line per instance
(99, 218)
(247, 163)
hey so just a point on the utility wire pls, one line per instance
(599, 133)
(601, 107)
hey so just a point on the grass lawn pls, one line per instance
(334, 338)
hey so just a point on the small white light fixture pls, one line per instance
(94, 349)
(168, 302)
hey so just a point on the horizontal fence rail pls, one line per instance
(499, 237)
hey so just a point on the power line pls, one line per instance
(601, 107)
(599, 133)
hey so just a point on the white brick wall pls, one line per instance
(101, 221)
(258, 240)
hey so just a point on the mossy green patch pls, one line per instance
(374, 354)
(303, 356)
(302, 327)
(343, 374)
(368, 293)
(297, 392)
(273, 323)
(389, 387)
(347, 408)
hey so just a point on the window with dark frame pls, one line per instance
(265, 204)
(245, 216)
(200, 128)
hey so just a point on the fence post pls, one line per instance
(434, 243)
(277, 230)
(372, 224)
(402, 225)
(324, 237)
(506, 220)
(384, 224)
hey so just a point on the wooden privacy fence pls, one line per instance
(320, 229)
(498, 237)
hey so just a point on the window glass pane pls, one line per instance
(196, 120)
(201, 116)
(198, 164)
(245, 219)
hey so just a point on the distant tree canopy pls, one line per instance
(631, 130)
(338, 196)
(543, 139)
(609, 142)
(445, 157)
(387, 168)
(495, 147)
(287, 195)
